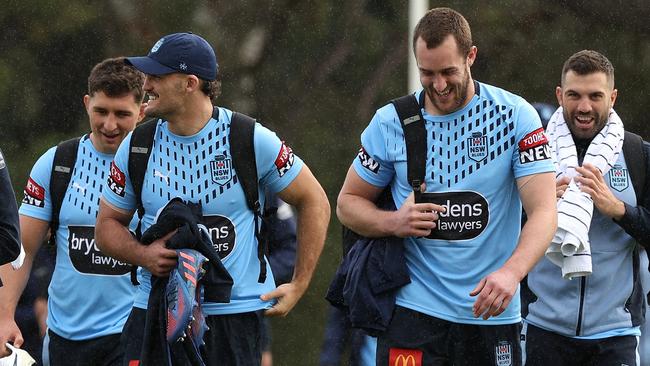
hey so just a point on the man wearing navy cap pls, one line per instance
(191, 159)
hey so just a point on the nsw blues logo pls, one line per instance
(477, 147)
(503, 354)
(619, 178)
(221, 169)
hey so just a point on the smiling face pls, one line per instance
(445, 75)
(586, 101)
(166, 94)
(111, 119)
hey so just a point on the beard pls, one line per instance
(459, 96)
(585, 134)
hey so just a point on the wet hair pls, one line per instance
(438, 23)
(115, 78)
(211, 88)
(587, 62)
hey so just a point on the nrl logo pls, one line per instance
(221, 170)
(619, 178)
(477, 147)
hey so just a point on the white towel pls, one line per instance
(570, 246)
(18, 357)
(18, 262)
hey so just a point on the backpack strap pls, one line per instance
(635, 160)
(65, 158)
(242, 148)
(139, 152)
(415, 134)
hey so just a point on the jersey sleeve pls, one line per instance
(36, 201)
(532, 152)
(372, 163)
(118, 190)
(277, 165)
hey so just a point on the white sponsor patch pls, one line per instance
(368, 162)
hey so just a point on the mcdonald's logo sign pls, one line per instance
(404, 357)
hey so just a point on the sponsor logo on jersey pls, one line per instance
(33, 194)
(503, 354)
(87, 258)
(477, 146)
(466, 215)
(284, 161)
(222, 233)
(619, 178)
(221, 169)
(368, 162)
(116, 180)
(404, 357)
(534, 147)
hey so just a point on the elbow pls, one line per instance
(341, 202)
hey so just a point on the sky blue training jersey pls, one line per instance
(473, 157)
(90, 294)
(199, 168)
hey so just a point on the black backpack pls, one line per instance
(635, 158)
(243, 156)
(65, 158)
(415, 134)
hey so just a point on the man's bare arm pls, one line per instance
(312, 206)
(357, 210)
(114, 239)
(33, 232)
(496, 290)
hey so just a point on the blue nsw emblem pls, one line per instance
(477, 147)
(221, 170)
(619, 178)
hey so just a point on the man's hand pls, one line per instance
(415, 219)
(561, 185)
(287, 296)
(9, 333)
(495, 291)
(158, 259)
(592, 182)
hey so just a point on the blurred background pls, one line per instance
(313, 71)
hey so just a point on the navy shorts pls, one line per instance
(542, 348)
(233, 339)
(101, 351)
(414, 338)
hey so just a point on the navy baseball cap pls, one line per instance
(186, 53)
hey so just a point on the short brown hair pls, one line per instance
(438, 23)
(115, 78)
(587, 62)
(211, 88)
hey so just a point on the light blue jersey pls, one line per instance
(474, 157)
(90, 294)
(199, 168)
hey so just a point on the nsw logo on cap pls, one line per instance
(157, 45)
